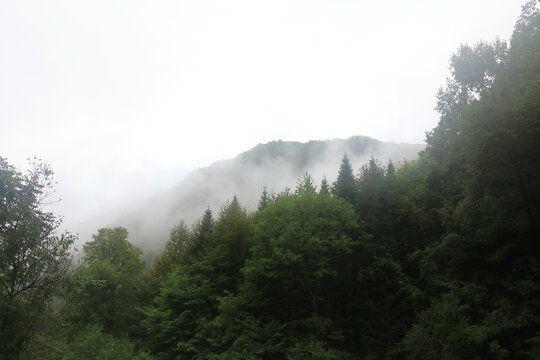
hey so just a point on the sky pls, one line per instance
(124, 98)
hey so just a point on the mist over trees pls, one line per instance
(435, 258)
(275, 165)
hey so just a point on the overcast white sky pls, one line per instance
(122, 98)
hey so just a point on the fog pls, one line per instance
(276, 165)
(126, 98)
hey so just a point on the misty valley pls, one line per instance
(336, 249)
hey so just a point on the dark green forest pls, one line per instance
(436, 258)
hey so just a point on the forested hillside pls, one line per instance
(438, 258)
(274, 165)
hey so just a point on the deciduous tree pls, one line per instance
(33, 258)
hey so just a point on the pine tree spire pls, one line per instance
(345, 186)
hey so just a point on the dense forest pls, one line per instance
(437, 258)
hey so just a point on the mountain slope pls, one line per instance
(276, 165)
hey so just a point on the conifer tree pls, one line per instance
(235, 204)
(305, 186)
(176, 249)
(325, 187)
(345, 186)
(264, 200)
(390, 168)
(203, 232)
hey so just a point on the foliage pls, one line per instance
(438, 259)
(203, 234)
(325, 187)
(482, 274)
(282, 305)
(344, 186)
(93, 344)
(177, 249)
(107, 289)
(179, 322)
(111, 246)
(264, 200)
(33, 259)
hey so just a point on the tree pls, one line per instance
(325, 187)
(111, 246)
(105, 290)
(176, 250)
(305, 187)
(180, 324)
(231, 233)
(474, 69)
(482, 275)
(390, 168)
(203, 233)
(33, 259)
(264, 200)
(369, 202)
(345, 186)
(501, 131)
(371, 175)
(179, 241)
(284, 306)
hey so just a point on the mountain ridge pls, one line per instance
(274, 165)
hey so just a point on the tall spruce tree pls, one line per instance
(203, 233)
(345, 185)
(264, 200)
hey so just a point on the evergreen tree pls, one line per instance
(345, 187)
(305, 187)
(369, 202)
(264, 200)
(390, 168)
(325, 187)
(235, 204)
(181, 323)
(177, 249)
(203, 233)
(371, 175)
(180, 240)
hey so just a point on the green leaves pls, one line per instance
(111, 246)
(105, 290)
(475, 67)
(297, 244)
(33, 258)
(93, 344)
